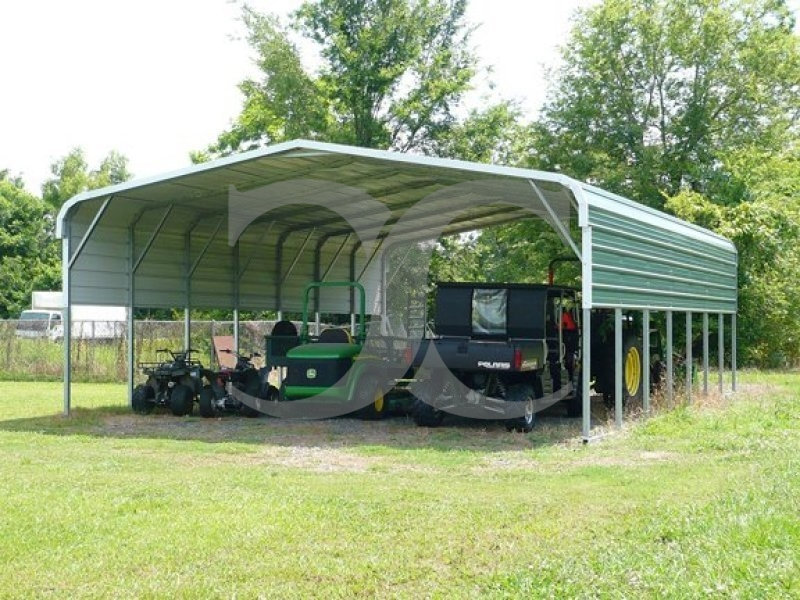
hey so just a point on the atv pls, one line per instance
(216, 397)
(173, 383)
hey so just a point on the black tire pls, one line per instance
(181, 400)
(575, 402)
(522, 392)
(142, 400)
(370, 397)
(206, 404)
(251, 387)
(250, 413)
(426, 415)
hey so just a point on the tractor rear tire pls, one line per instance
(142, 400)
(632, 369)
(206, 402)
(522, 392)
(181, 400)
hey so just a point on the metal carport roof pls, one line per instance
(318, 193)
(250, 230)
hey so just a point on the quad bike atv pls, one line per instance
(174, 383)
(216, 397)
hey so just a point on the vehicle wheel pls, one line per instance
(631, 369)
(522, 392)
(142, 400)
(575, 402)
(251, 387)
(181, 400)
(426, 415)
(250, 413)
(369, 395)
(631, 373)
(206, 403)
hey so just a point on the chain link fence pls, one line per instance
(35, 350)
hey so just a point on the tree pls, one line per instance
(71, 176)
(392, 71)
(29, 256)
(653, 93)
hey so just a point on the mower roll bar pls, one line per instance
(362, 326)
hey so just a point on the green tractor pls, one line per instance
(335, 367)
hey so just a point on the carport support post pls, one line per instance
(721, 348)
(131, 300)
(235, 297)
(733, 352)
(646, 361)
(586, 362)
(66, 317)
(705, 354)
(352, 290)
(669, 357)
(618, 367)
(187, 317)
(688, 357)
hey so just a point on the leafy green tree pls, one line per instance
(71, 176)
(28, 253)
(653, 93)
(391, 73)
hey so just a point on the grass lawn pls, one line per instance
(703, 501)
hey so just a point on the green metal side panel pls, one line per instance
(642, 259)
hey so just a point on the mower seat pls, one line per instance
(335, 335)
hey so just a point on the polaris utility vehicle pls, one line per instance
(333, 367)
(215, 396)
(173, 383)
(500, 343)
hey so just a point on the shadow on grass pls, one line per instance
(395, 432)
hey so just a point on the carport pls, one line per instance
(247, 232)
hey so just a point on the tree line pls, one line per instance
(688, 106)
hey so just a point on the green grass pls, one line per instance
(700, 501)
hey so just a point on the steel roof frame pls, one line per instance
(623, 231)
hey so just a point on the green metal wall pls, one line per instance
(644, 259)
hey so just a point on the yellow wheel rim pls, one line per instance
(633, 371)
(378, 402)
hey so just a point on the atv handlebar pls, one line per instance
(244, 356)
(185, 354)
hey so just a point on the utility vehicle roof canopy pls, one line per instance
(250, 230)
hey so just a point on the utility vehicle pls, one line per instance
(334, 367)
(500, 343)
(173, 383)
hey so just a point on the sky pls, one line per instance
(155, 79)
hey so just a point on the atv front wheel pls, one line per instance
(181, 400)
